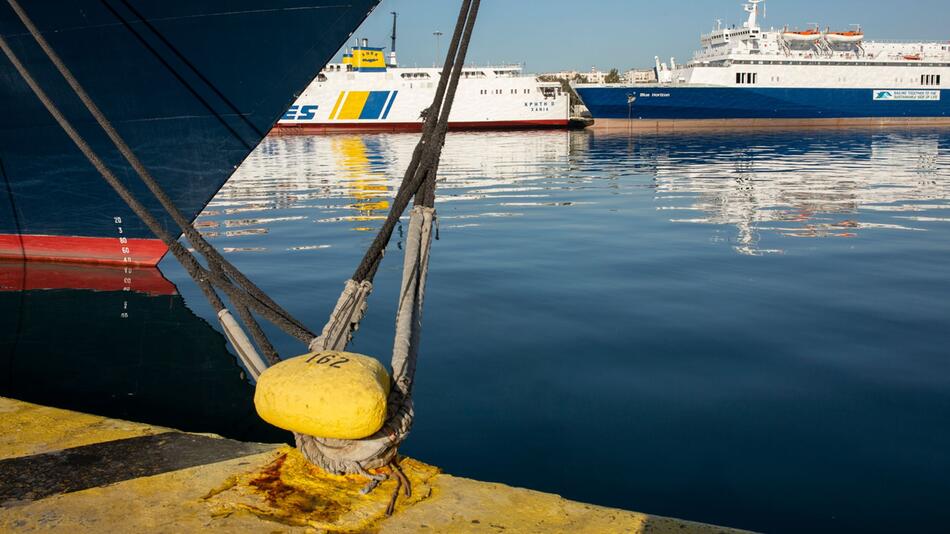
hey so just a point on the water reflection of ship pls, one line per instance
(364, 178)
(119, 342)
(281, 175)
(802, 184)
(360, 173)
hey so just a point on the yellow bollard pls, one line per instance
(327, 394)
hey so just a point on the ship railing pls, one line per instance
(513, 66)
(905, 41)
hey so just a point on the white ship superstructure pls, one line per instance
(770, 76)
(365, 93)
(751, 55)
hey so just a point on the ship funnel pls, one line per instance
(673, 63)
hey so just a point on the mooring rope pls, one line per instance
(202, 276)
(223, 274)
(351, 306)
(378, 450)
(196, 239)
(335, 456)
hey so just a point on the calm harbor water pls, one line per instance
(745, 328)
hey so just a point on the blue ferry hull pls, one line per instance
(665, 103)
(191, 85)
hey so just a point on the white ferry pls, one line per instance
(364, 93)
(749, 75)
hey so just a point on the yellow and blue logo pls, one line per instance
(363, 105)
(367, 59)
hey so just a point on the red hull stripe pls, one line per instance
(26, 276)
(102, 250)
(416, 126)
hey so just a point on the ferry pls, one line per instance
(366, 93)
(192, 87)
(752, 76)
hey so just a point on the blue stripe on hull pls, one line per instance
(705, 103)
(374, 105)
(389, 105)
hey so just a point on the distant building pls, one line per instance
(562, 75)
(594, 75)
(640, 76)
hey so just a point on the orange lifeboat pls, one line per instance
(806, 35)
(855, 36)
(912, 57)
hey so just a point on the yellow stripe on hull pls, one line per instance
(337, 105)
(353, 106)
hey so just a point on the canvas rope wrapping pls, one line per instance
(333, 455)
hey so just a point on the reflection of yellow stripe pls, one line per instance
(353, 106)
(337, 105)
(353, 155)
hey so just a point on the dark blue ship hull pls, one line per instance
(191, 85)
(668, 103)
(162, 364)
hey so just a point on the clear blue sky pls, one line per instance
(551, 35)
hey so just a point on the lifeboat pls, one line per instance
(912, 57)
(855, 36)
(807, 35)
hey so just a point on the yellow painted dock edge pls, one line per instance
(276, 491)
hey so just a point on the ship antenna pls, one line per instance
(753, 9)
(392, 50)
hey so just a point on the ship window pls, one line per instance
(930, 79)
(747, 77)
